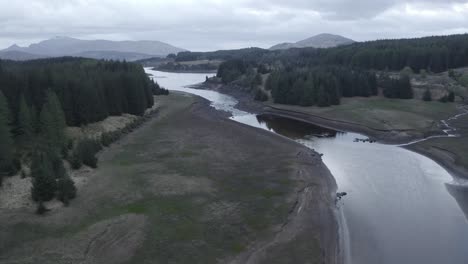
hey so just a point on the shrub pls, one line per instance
(464, 80)
(451, 97)
(427, 95)
(66, 189)
(110, 137)
(443, 99)
(261, 96)
(423, 73)
(75, 161)
(41, 209)
(85, 153)
(407, 71)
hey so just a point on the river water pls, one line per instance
(398, 210)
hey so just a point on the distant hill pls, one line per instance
(99, 49)
(318, 41)
(18, 55)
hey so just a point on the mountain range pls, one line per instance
(318, 41)
(97, 49)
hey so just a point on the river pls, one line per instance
(398, 209)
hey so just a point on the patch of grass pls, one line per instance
(257, 222)
(125, 163)
(296, 251)
(137, 209)
(455, 146)
(383, 113)
(269, 193)
(187, 153)
(238, 247)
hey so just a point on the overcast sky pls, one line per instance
(224, 24)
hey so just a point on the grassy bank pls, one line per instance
(187, 187)
(450, 152)
(383, 113)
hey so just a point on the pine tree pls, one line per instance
(25, 127)
(52, 122)
(6, 149)
(404, 87)
(322, 97)
(44, 181)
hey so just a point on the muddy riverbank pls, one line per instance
(188, 186)
(394, 137)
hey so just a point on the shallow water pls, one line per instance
(398, 208)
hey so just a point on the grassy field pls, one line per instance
(451, 149)
(383, 113)
(188, 187)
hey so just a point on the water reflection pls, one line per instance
(295, 129)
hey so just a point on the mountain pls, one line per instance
(318, 41)
(100, 49)
(18, 55)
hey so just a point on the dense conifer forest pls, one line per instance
(39, 98)
(322, 86)
(310, 76)
(88, 90)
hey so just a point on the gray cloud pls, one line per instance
(218, 24)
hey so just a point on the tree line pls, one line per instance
(343, 70)
(431, 54)
(38, 99)
(88, 90)
(321, 86)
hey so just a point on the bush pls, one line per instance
(443, 99)
(427, 96)
(75, 161)
(41, 209)
(423, 73)
(261, 96)
(66, 190)
(158, 90)
(451, 97)
(407, 71)
(85, 153)
(464, 80)
(161, 91)
(110, 137)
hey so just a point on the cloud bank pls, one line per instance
(224, 24)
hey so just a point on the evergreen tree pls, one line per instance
(52, 122)
(43, 177)
(405, 89)
(6, 149)
(322, 97)
(25, 123)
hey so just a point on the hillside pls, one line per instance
(318, 41)
(18, 55)
(97, 49)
